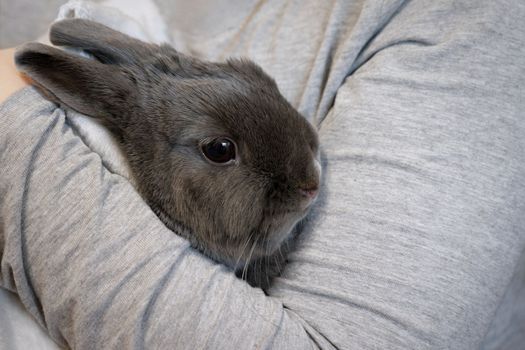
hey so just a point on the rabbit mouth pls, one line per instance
(267, 242)
(280, 230)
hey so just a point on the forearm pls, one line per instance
(96, 267)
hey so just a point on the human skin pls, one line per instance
(12, 80)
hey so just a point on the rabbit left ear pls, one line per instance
(87, 86)
(105, 44)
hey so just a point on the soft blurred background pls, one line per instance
(27, 20)
(24, 20)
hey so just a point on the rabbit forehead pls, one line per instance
(252, 113)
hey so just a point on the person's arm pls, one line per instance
(422, 221)
(93, 264)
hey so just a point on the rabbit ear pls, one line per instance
(113, 47)
(105, 44)
(85, 85)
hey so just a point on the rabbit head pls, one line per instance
(214, 147)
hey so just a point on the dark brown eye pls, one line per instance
(220, 150)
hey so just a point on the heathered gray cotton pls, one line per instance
(414, 242)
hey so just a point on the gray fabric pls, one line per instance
(414, 242)
(507, 330)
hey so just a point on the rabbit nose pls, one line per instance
(309, 191)
(309, 186)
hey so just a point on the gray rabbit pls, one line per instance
(213, 148)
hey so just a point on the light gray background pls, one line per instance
(25, 20)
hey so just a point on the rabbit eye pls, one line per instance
(220, 150)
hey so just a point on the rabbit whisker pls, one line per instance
(243, 249)
(247, 262)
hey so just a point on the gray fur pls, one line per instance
(160, 104)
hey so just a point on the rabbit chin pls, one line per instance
(279, 230)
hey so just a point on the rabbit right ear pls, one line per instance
(105, 44)
(85, 85)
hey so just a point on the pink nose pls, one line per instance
(309, 192)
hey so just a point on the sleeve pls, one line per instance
(93, 264)
(421, 221)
